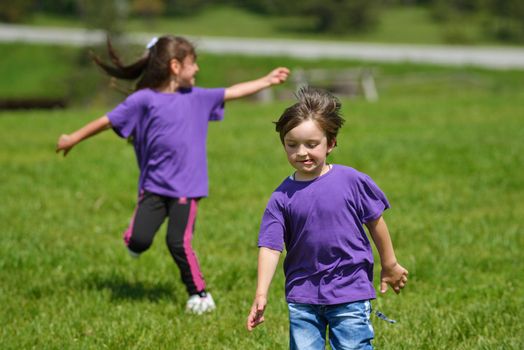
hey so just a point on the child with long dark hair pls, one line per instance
(318, 214)
(167, 120)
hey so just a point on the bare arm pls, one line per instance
(67, 141)
(267, 264)
(276, 76)
(392, 272)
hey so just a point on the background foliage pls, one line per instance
(500, 20)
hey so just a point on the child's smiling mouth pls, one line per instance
(306, 161)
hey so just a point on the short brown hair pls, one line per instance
(313, 104)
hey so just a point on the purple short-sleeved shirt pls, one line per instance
(169, 132)
(329, 258)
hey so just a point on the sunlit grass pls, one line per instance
(447, 151)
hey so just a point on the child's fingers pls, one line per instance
(395, 285)
(256, 315)
(403, 281)
(259, 318)
(64, 146)
(398, 285)
(62, 143)
(259, 321)
(58, 150)
(259, 315)
(250, 324)
(284, 74)
(383, 286)
(253, 320)
(282, 70)
(64, 150)
(281, 74)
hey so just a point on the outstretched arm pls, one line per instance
(67, 141)
(392, 272)
(275, 77)
(267, 264)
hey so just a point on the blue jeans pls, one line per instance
(349, 326)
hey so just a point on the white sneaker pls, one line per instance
(133, 254)
(197, 304)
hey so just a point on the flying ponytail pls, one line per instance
(152, 70)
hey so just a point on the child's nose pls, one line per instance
(302, 151)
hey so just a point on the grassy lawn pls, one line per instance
(397, 24)
(32, 70)
(444, 144)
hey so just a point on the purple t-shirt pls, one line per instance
(169, 132)
(329, 258)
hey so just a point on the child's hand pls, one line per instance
(278, 75)
(256, 315)
(65, 143)
(396, 276)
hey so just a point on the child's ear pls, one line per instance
(331, 145)
(175, 66)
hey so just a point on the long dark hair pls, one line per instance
(153, 69)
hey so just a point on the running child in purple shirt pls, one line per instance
(167, 120)
(318, 214)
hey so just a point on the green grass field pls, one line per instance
(444, 144)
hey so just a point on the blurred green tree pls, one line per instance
(505, 19)
(341, 16)
(15, 11)
(335, 16)
(502, 20)
(148, 8)
(259, 6)
(60, 7)
(107, 15)
(445, 10)
(185, 7)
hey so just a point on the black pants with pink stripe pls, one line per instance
(151, 212)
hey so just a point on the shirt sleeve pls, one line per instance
(125, 117)
(372, 202)
(272, 227)
(216, 103)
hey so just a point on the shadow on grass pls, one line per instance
(123, 289)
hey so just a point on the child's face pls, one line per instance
(307, 147)
(186, 72)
